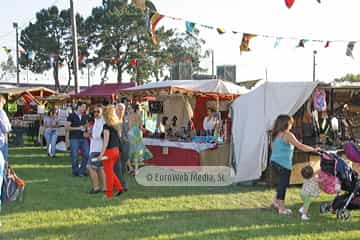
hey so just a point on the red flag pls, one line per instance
(289, 3)
(327, 44)
(133, 62)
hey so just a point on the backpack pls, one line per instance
(319, 100)
(12, 187)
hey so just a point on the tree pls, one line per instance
(349, 78)
(49, 38)
(7, 68)
(117, 35)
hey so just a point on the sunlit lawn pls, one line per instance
(57, 206)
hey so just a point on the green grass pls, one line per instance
(56, 206)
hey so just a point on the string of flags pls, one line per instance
(153, 18)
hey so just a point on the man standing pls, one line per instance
(76, 125)
(5, 127)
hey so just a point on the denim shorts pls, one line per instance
(94, 165)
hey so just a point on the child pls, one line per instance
(310, 189)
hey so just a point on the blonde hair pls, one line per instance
(111, 117)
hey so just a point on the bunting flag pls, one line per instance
(7, 50)
(349, 49)
(220, 30)
(206, 26)
(319, 1)
(30, 55)
(277, 42)
(289, 3)
(133, 62)
(244, 46)
(301, 43)
(152, 19)
(327, 44)
(189, 27)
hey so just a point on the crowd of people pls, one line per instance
(106, 142)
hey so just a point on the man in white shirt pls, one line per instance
(5, 128)
(96, 170)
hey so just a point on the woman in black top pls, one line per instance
(110, 150)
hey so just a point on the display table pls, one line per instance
(173, 153)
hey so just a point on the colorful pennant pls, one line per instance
(244, 46)
(349, 49)
(152, 19)
(189, 26)
(289, 3)
(220, 30)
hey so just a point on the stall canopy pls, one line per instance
(253, 115)
(108, 91)
(28, 94)
(201, 87)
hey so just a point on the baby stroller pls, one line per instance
(335, 176)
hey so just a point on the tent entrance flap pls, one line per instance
(254, 114)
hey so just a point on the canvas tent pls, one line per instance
(253, 115)
(206, 87)
(107, 91)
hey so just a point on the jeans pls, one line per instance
(5, 151)
(75, 145)
(283, 175)
(51, 138)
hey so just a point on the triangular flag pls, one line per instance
(319, 1)
(327, 44)
(7, 50)
(152, 19)
(244, 46)
(277, 42)
(220, 30)
(289, 3)
(301, 43)
(349, 49)
(189, 26)
(133, 62)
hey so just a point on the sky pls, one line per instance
(330, 20)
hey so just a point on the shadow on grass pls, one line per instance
(188, 224)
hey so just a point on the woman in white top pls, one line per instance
(209, 122)
(95, 168)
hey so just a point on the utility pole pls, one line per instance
(75, 46)
(88, 71)
(314, 64)
(16, 26)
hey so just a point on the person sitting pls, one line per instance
(95, 168)
(209, 122)
(50, 124)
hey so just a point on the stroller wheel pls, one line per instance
(343, 214)
(325, 207)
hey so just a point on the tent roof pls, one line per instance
(106, 90)
(34, 91)
(201, 87)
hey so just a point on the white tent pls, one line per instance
(254, 114)
(200, 86)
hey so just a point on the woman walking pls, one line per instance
(110, 150)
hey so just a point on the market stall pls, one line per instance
(25, 107)
(100, 93)
(175, 118)
(325, 115)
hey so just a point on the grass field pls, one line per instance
(57, 206)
